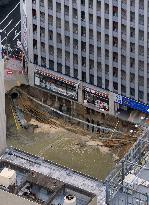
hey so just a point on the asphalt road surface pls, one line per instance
(10, 23)
(4, 2)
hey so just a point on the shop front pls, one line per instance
(96, 100)
(56, 84)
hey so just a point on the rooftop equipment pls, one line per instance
(7, 177)
(69, 200)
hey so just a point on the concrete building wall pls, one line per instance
(2, 105)
(4, 2)
(7, 198)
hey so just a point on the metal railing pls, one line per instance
(132, 161)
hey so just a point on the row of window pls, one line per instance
(99, 71)
(91, 34)
(91, 56)
(91, 79)
(90, 4)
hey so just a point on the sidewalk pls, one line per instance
(13, 74)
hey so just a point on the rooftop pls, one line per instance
(135, 187)
(46, 182)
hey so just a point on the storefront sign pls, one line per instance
(97, 99)
(56, 86)
(135, 105)
(131, 103)
(118, 99)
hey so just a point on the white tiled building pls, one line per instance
(103, 43)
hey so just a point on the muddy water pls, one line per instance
(62, 147)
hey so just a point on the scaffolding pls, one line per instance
(116, 191)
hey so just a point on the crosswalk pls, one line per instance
(11, 25)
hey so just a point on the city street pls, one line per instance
(10, 23)
(14, 75)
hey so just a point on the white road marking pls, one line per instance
(11, 30)
(3, 40)
(7, 25)
(9, 13)
(18, 23)
(16, 35)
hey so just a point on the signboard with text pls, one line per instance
(56, 86)
(125, 101)
(99, 100)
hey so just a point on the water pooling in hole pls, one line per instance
(63, 147)
(77, 151)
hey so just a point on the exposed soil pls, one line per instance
(66, 142)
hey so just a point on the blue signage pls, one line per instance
(135, 105)
(131, 103)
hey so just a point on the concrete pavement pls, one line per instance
(14, 75)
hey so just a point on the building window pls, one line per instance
(92, 79)
(51, 65)
(76, 73)
(59, 67)
(99, 82)
(83, 76)
(67, 70)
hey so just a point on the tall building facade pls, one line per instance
(2, 103)
(101, 43)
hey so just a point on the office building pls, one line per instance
(102, 44)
